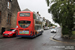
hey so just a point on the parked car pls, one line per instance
(53, 30)
(46, 28)
(50, 27)
(9, 33)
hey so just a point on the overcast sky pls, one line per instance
(36, 5)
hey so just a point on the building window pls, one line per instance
(0, 16)
(9, 19)
(9, 4)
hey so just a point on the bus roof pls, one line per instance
(25, 11)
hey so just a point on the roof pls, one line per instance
(26, 9)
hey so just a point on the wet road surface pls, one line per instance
(42, 42)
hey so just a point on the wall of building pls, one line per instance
(15, 9)
(5, 11)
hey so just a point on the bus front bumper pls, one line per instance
(23, 36)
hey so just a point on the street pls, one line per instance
(42, 42)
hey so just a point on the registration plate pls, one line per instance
(24, 32)
(5, 34)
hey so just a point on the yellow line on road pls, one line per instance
(61, 41)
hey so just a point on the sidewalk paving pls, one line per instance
(59, 38)
(1, 36)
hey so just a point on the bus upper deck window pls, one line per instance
(24, 14)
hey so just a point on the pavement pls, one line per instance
(1, 36)
(58, 37)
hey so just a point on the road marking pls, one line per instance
(61, 41)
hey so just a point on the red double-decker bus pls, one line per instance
(29, 24)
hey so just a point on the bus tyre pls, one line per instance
(41, 33)
(35, 35)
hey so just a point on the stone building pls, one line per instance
(48, 23)
(8, 14)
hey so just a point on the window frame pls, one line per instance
(0, 16)
(9, 19)
(9, 4)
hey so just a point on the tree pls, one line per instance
(63, 11)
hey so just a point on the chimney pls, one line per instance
(38, 13)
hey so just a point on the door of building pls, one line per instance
(3, 29)
(0, 16)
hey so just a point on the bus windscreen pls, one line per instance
(24, 24)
